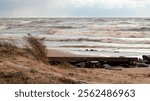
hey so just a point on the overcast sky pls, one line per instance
(59, 8)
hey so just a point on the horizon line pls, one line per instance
(74, 16)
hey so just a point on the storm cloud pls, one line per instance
(31, 8)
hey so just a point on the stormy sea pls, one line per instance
(86, 36)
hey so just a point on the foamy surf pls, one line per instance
(108, 36)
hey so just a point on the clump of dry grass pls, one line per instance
(7, 48)
(37, 48)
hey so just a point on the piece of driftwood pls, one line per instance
(20, 67)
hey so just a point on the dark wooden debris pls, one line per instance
(95, 62)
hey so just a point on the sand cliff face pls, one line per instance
(22, 67)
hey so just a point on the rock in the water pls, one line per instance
(146, 57)
(86, 50)
(92, 50)
(141, 65)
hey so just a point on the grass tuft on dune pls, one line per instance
(37, 48)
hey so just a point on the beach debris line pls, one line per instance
(103, 62)
(96, 62)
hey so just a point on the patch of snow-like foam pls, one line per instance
(25, 22)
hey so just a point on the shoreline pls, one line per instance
(91, 52)
(22, 67)
(59, 53)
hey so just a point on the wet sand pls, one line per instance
(59, 53)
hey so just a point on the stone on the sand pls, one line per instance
(81, 64)
(141, 65)
(146, 57)
(106, 66)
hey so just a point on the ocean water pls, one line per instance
(105, 36)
